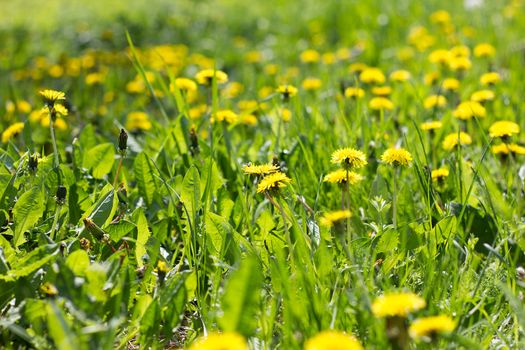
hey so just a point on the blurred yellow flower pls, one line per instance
(398, 304)
(310, 56)
(439, 174)
(205, 77)
(490, 78)
(342, 176)
(286, 91)
(311, 84)
(138, 121)
(503, 128)
(452, 140)
(434, 101)
(380, 103)
(482, 96)
(51, 96)
(382, 90)
(333, 340)
(469, 109)
(263, 169)
(220, 341)
(431, 125)
(372, 75)
(450, 84)
(12, 131)
(273, 181)
(400, 75)
(226, 115)
(354, 92)
(484, 50)
(431, 326)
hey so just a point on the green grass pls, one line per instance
(85, 273)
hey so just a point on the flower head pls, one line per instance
(138, 121)
(452, 140)
(431, 125)
(469, 109)
(221, 341)
(400, 75)
(349, 158)
(184, 84)
(381, 103)
(51, 96)
(434, 101)
(396, 157)
(397, 304)
(430, 326)
(311, 84)
(439, 174)
(482, 95)
(372, 75)
(343, 176)
(503, 129)
(205, 77)
(226, 115)
(263, 169)
(273, 181)
(333, 340)
(484, 50)
(12, 131)
(333, 217)
(490, 78)
(286, 91)
(354, 92)
(506, 148)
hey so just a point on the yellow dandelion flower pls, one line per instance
(248, 119)
(431, 125)
(380, 103)
(400, 75)
(263, 169)
(431, 326)
(433, 101)
(310, 56)
(357, 67)
(460, 51)
(311, 84)
(440, 56)
(138, 121)
(431, 78)
(440, 17)
(452, 140)
(23, 106)
(220, 341)
(273, 181)
(12, 131)
(226, 115)
(490, 78)
(184, 84)
(503, 128)
(333, 340)
(460, 63)
(49, 289)
(484, 50)
(253, 56)
(51, 96)
(331, 218)
(205, 77)
(197, 111)
(397, 157)
(349, 158)
(469, 109)
(371, 75)
(341, 176)
(354, 92)
(286, 91)
(397, 304)
(482, 95)
(439, 174)
(450, 84)
(382, 90)
(271, 69)
(58, 110)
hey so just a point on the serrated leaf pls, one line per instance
(28, 209)
(100, 159)
(191, 192)
(144, 171)
(103, 210)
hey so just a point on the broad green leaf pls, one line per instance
(60, 329)
(100, 159)
(191, 192)
(144, 171)
(143, 234)
(28, 209)
(103, 210)
(31, 262)
(120, 229)
(78, 262)
(240, 302)
(217, 228)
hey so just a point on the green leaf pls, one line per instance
(120, 229)
(241, 299)
(28, 209)
(217, 228)
(100, 159)
(143, 234)
(103, 210)
(144, 171)
(191, 192)
(78, 262)
(31, 262)
(60, 330)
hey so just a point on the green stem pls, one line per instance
(394, 201)
(56, 162)
(118, 171)
(55, 221)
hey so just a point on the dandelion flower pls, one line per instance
(439, 174)
(382, 90)
(490, 78)
(400, 75)
(381, 103)
(311, 84)
(205, 77)
(273, 181)
(397, 157)
(440, 56)
(310, 56)
(333, 217)
(505, 149)
(12, 131)
(342, 176)
(431, 326)
(503, 129)
(450, 84)
(431, 125)
(263, 169)
(434, 101)
(397, 304)
(469, 109)
(333, 340)
(452, 140)
(484, 50)
(372, 75)
(482, 95)
(349, 158)
(221, 341)
(460, 63)
(184, 84)
(226, 115)
(49, 289)
(51, 96)
(287, 91)
(138, 121)
(354, 92)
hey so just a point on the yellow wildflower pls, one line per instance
(342, 176)
(273, 181)
(452, 140)
(396, 157)
(397, 304)
(349, 158)
(431, 326)
(333, 340)
(503, 128)
(221, 341)
(12, 131)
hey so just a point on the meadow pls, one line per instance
(234, 175)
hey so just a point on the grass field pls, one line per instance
(232, 175)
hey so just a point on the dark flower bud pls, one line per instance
(194, 142)
(61, 194)
(33, 162)
(123, 141)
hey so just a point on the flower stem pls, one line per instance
(55, 221)
(56, 162)
(394, 201)
(118, 170)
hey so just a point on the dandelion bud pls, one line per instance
(194, 142)
(122, 141)
(61, 194)
(33, 163)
